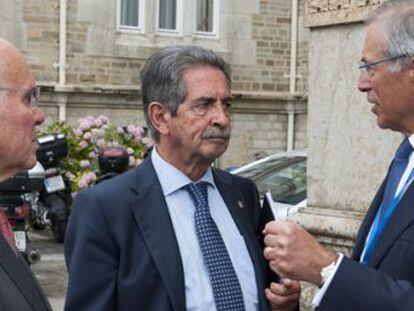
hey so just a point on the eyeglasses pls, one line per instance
(368, 68)
(31, 96)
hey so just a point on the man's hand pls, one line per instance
(284, 296)
(293, 253)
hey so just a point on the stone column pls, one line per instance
(348, 154)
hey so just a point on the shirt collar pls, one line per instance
(171, 178)
(411, 140)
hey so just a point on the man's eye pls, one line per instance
(201, 108)
(27, 98)
(203, 105)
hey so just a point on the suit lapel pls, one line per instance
(22, 277)
(153, 219)
(401, 218)
(367, 222)
(238, 208)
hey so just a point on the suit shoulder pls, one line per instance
(233, 178)
(118, 186)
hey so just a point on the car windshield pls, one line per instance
(285, 177)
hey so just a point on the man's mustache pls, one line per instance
(217, 132)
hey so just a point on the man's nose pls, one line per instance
(364, 82)
(39, 116)
(221, 114)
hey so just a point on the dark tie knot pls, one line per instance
(404, 150)
(198, 193)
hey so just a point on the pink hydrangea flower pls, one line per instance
(104, 119)
(100, 143)
(87, 136)
(98, 122)
(83, 144)
(77, 131)
(92, 155)
(82, 183)
(148, 142)
(85, 164)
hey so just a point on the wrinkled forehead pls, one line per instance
(374, 46)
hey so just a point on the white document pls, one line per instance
(280, 211)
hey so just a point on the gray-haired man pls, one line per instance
(19, 115)
(173, 234)
(380, 275)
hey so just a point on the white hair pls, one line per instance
(396, 19)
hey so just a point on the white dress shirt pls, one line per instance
(198, 291)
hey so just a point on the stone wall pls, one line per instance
(103, 63)
(333, 12)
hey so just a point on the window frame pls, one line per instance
(216, 21)
(141, 18)
(178, 20)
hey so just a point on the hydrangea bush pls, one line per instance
(87, 138)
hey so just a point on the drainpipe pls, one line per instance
(62, 59)
(292, 76)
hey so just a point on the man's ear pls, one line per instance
(159, 116)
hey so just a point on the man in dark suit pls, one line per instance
(380, 274)
(174, 233)
(19, 115)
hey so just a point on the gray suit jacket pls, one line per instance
(19, 289)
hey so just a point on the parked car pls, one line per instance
(284, 176)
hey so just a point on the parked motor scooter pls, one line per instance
(18, 195)
(55, 198)
(112, 161)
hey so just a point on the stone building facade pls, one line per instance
(102, 62)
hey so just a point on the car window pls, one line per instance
(287, 184)
(254, 172)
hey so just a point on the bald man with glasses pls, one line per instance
(19, 115)
(380, 274)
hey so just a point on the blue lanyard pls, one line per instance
(378, 226)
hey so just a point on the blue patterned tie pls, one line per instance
(226, 287)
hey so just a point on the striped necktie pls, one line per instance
(7, 231)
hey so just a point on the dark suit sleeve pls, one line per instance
(91, 257)
(264, 215)
(358, 287)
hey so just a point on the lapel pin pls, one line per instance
(240, 204)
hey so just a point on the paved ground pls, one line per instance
(51, 269)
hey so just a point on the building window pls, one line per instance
(130, 14)
(167, 15)
(205, 16)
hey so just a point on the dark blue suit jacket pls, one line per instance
(387, 282)
(121, 250)
(19, 289)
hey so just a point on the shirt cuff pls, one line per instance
(321, 292)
